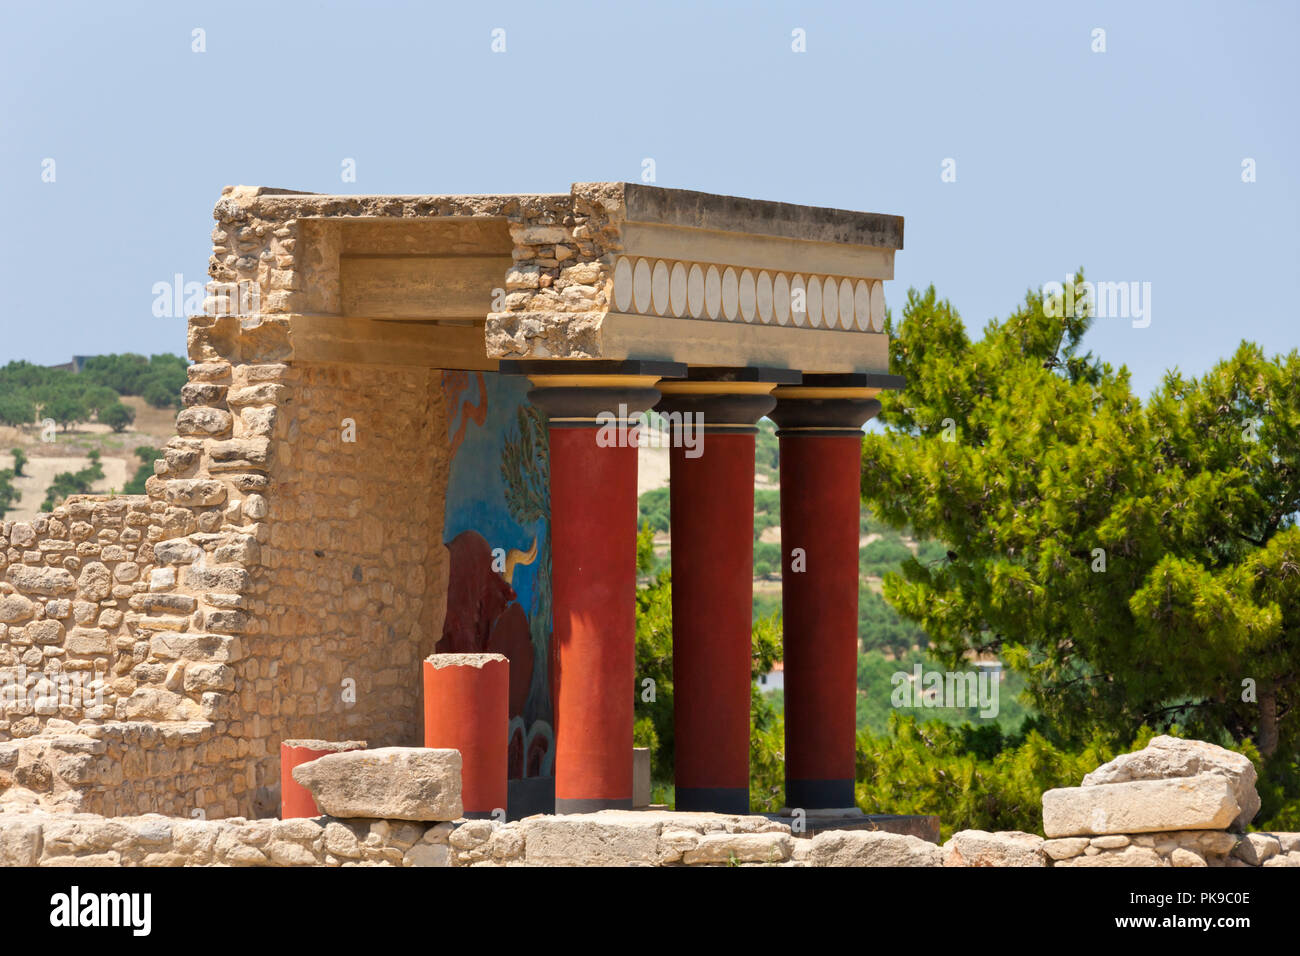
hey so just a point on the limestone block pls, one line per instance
(1255, 848)
(472, 834)
(674, 843)
(1202, 802)
(427, 854)
(1004, 848)
(607, 838)
(216, 578)
(194, 492)
(14, 608)
(87, 641)
(20, 841)
(1115, 842)
(239, 453)
(176, 551)
(740, 848)
(44, 632)
(41, 580)
(1065, 847)
(872, 848)
(1185, 857)
(1129, 856)
(95, 582)
(396, 783)
(200, 420)
(1290, 841)
(1167, 757)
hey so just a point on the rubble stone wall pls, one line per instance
(282, 577)
(33, 837)
(42, 839)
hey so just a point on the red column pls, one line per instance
(593, 580)
(821, 461)
(591, 409)
(467, 708)
(295, 799)
(711, 418)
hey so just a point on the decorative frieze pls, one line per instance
(734, 293)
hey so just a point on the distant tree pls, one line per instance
(8, 493)
(16, 409)
(98, 397)
(1138, 565)
(159, 394)
(117, 416)
(20, 459)
(66, 409)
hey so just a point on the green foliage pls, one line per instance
(66, 408)
(70, 398)
(880, 628)
(654, 660)
(72, 483)
(147, 455)
(876, 687)
(1192, 500)
(158, 379)
(973, 779)
(654, 511)
(116, 416)
(767, 560)
(767, 511)
(882, 556)
(16, 408)
(8, 493)
(20, 459)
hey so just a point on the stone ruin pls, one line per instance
(390, 450)
(360, 479)
(1177, 803)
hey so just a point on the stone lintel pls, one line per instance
(718, 213)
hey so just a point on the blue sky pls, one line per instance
(1127, 162)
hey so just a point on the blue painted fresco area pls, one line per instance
(476, 492)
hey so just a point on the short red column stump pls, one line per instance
(467, 708)
(295, 799)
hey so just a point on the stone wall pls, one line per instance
(401, 806)
(352, 586)
(36, 838)
(277, 580)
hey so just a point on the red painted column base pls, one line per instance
(467, 708)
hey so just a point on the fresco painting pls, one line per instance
(498, 537)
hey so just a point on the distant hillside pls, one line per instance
(106, 415)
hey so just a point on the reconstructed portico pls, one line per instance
(741, 308)
(409, 430)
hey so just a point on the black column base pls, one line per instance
(819, 794)
(712, 799)
(590, 804)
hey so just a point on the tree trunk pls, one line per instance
(1267, 740)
